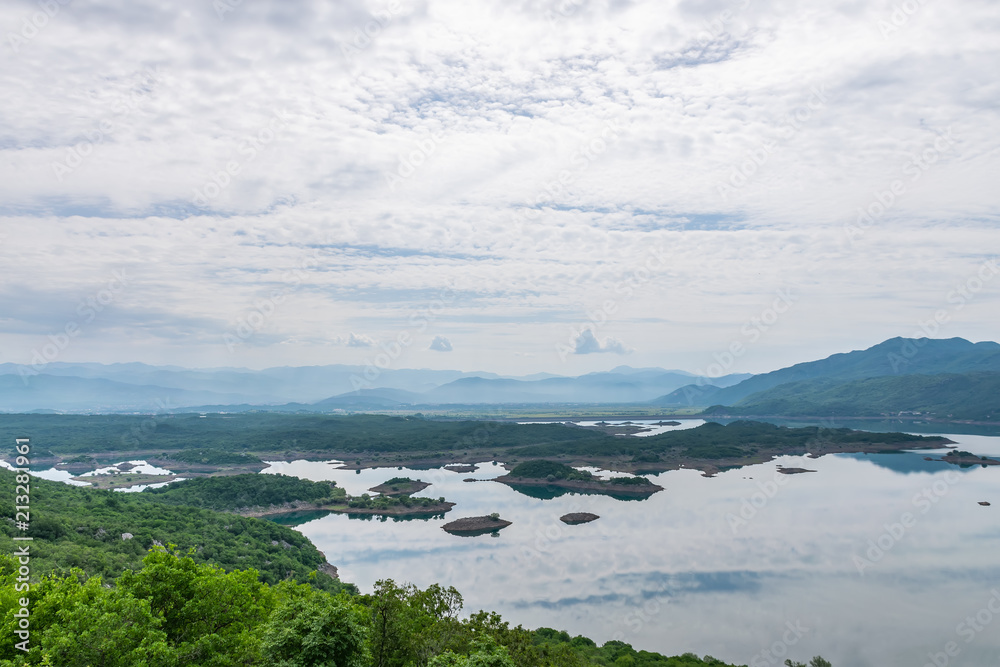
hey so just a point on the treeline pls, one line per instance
(715, 441)
(172, 611)
(275, 432)
(232, 492)
(106, 532)
(234, 438)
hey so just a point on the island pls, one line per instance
(574, 518)
(793, 471)
(476, 525)
(461, 467)
(230, 444)
(255, 495)
(399, 486)
(965, 459)
(560, 476)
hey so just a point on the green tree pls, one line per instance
(316, 630)
(486, 653)
(209, 614)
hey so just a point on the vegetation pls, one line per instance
(713, 441)
(234, 492)
(276, 432)
(212, 457)
(231, 592)
(106, 532)
(366, 502)
(549, 470)
(630, 481)
(172, 611)
(946, 396)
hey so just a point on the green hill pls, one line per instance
(235, 492)
(105, 532)
(894, 357)
(973, 396)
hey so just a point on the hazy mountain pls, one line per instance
(634, 386)
(142, 387)
(74, 394)
(896, 356)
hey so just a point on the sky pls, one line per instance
(524, 186)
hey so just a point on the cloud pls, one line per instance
(588, 343)
(537, 152)
(441, 344)
(359, 341)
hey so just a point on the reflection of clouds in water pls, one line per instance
(714, 590)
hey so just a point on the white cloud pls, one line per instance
(356, 340)
(510, 188)
(441, 344)
(588, 343)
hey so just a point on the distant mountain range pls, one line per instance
(941, 377)
(89, 387)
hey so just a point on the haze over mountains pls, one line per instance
(132, 387)
(945, 377)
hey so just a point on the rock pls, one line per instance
(574, 518)
(127, 536)
(476, 525)
(984, 503)
(461, 467)
(331, 570)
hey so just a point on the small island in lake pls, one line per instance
(962, 458)
(793, 471)
(461, 467)
(476, 525)
(574, 518)
(400, 486)
(558, 475)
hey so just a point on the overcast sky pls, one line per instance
(507, 186)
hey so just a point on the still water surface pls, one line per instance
(721, 566)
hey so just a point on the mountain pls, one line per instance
(47, 392)
(974, 396)
(896, 356)
(131, 387)
(605, 387)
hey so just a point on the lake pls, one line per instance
(873, 560)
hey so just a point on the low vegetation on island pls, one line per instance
(380, 441)
(561, 476)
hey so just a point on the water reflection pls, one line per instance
(718, 565)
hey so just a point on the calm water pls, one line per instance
(726, 566)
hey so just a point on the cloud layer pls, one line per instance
(277, 179)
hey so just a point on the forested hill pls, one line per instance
(894, 357)
(235, 492)
(972, 396)
(275, 432)
(106, 532)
